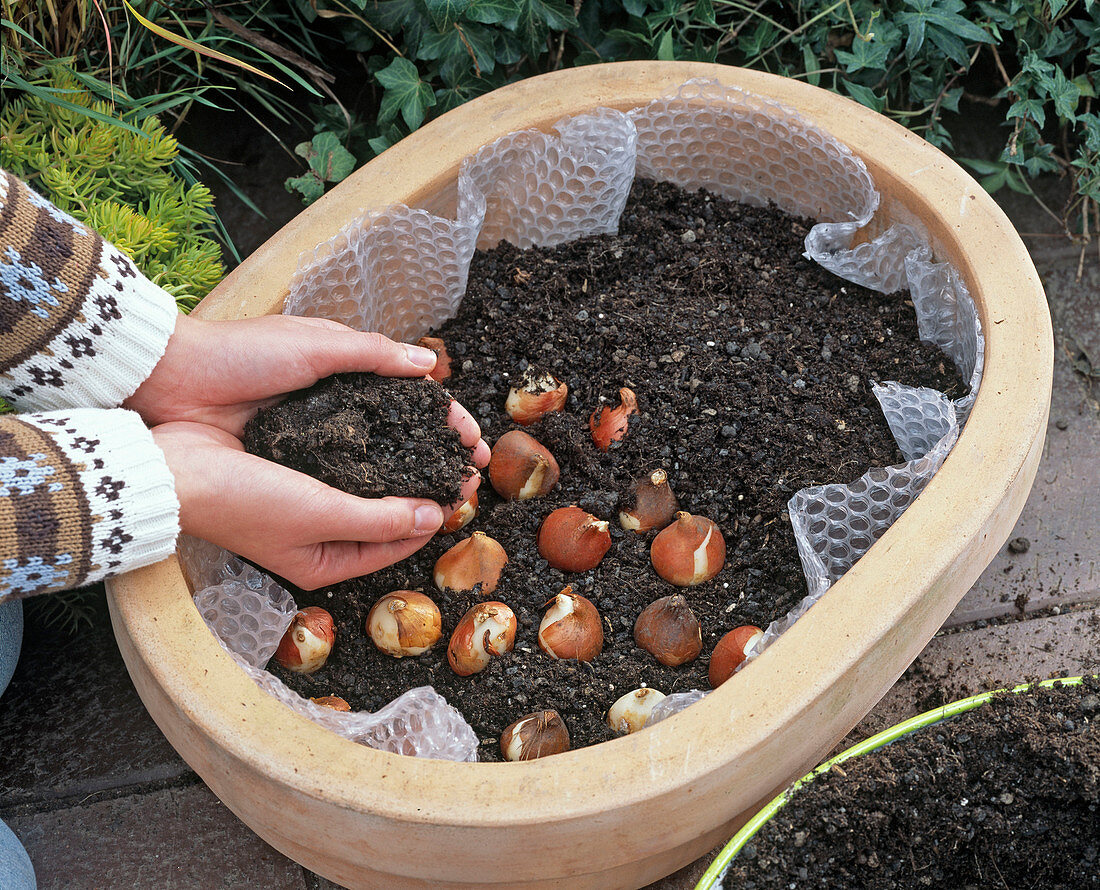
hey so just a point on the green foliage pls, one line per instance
(116, 176)
(328, 161)
(1037, 61)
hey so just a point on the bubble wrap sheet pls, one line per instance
(402, 271)
(248, 613)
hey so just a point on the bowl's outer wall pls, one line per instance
(626, 812)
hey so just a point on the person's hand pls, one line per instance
(221, 372)
(287, 522)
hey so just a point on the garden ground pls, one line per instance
(100, 799)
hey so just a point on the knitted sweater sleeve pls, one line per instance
(84, 491)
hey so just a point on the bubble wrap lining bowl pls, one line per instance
(403, 270)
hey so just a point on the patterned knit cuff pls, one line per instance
(84, 495)
(80, 325)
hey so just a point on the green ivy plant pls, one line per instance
(116, 175)
(1036, 61)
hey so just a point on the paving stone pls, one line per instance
(175, 839)
(1061, 520)
(964, 662)
(71, 723)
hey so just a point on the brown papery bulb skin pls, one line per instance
(729, 653)
(306, 645)
(477, 560)
(520, 467)
(572, 540)
(690, 551)
(571, 628)
(534, 735)
(655, 504)
(334, 702)
(461, 517)
(404, 622)
(536, 396)
(609, 424)
(442, 369)
(669, 631)
(486, 629)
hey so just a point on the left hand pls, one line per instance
(221, 372)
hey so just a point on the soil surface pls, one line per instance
(367, 435)
(1006, 795)
(752, 367)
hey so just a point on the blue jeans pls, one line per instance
(16, 872)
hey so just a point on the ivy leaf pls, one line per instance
(704, 12)
(1028, 109)
(665, 51)
(445, 13)
(460, 48)
(462, 89)
(530, 20)
(1066, 95)
(328, 161)
(406, 17)
(391, 135)
(940, 21)
(493, 12)
(307, 185)
(635, 8)
(405, 93)
(865, 54)
(864, 96)
(1091, 122)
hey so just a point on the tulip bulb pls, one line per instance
(655, 504)
(571, 628)
(308, 641)
(333, 702)
(404, 622)
(610, 424)
(572, 540)
(669, 631)
(689, 551)
(487, 629)
(478, 560)
(537, 395)
(442, 369)
(463, 516)
(535, 735)
(730, 652)
(521, 468)
(630, 713)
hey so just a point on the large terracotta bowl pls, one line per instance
(623, 813)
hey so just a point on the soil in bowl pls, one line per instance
(1005, 795)
(753, 370)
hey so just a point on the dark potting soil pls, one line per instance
(368, 435)
(1007, 795)
(752, 367)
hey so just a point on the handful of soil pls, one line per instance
(1005, 795)
(367, 435)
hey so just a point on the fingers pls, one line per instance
(288, 522)
(332, 348)
(336, 561)
(461, 420)
(336, 516)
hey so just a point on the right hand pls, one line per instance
(297, 527)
